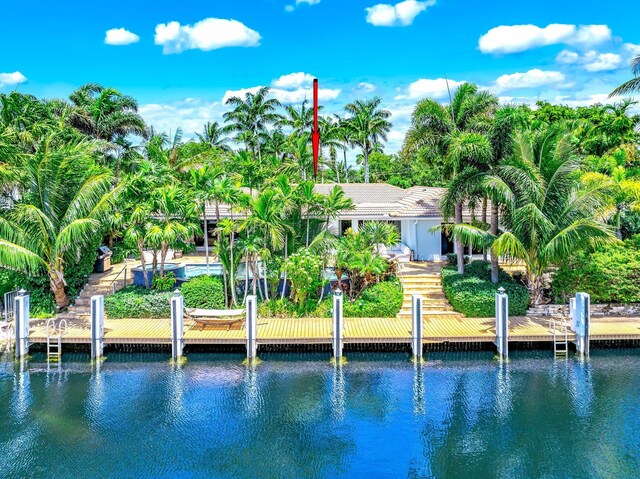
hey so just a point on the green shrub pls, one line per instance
(611, 274)
(381, 300)
(203, 292)
(305, 274)
(137, 302)
(164, 283)
(473, 294)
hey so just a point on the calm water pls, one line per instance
(294, 416)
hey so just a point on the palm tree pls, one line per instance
(201, 182)
(453, 134)
(174, 215)
(367, 126)
(548, 212)
(299, 120)
(251, 116)
(624, 192)
(266, 221)
(213, 135)
(633, 85)
(65, 199)
(104, 113)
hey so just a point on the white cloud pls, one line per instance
(592, 61)
(293, 81)
(189, 114)
(530, 79)
(365, 87)
(632, 49)
(586, 100)
(120, 36)
(398, 15)
(426, 88)
(518, 38)
(207, 34)
(291, 8)
(287, 97)
(12, 78)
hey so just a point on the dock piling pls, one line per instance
(416, 327)
(22, 324)
(177, 325)
(502, 323)
(581, 322)
(97, 326)
(252, 328)
(338, 327)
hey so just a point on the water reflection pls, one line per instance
(457, 416)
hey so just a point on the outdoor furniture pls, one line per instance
(215, 317)
(400, 253)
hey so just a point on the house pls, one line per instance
(414, 211)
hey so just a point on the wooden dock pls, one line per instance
(438, 328)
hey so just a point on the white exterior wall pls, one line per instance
(425, 244)
(334, 226)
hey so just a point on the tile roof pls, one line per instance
(374, 201)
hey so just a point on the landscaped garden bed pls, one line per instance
(473, 293)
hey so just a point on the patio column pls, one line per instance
(355, 225)
(252, 328)
(338, 327)
(581, 320)
(177, 325)
(502, 323)
(97, 326)
(22, 324)
(416, 327)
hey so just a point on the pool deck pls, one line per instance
(438, 328)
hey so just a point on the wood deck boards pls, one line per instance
(437, 328)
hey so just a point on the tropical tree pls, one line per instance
(250, 117)
(367, 126)
(104, 113)
(453, 135)
(548, 212)
(633, 85)
(65, 197)
(213, 135)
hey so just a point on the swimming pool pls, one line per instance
(462, 415)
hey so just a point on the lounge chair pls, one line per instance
(215, 317)
(400, 253)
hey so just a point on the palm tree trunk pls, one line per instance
(56, 281)
(246, 277)
(366, 165)
(206, 236)
(163, 257)
(286, 255)
(484, 221)
(143, 264)
(494, 231)
(232, 280)
(459, 245)
(307, 241)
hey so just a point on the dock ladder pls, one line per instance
(560, 340)
(54, 339)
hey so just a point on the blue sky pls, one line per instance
(182, 59)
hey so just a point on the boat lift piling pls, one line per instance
(416, 327)
(502, 323)
(581, 322)
(97, 326)
(251, 312)
(22, 324)
(177, 325)
(338, 327)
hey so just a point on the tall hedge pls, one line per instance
(611, 274)
(203, 292)
(473, 294)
